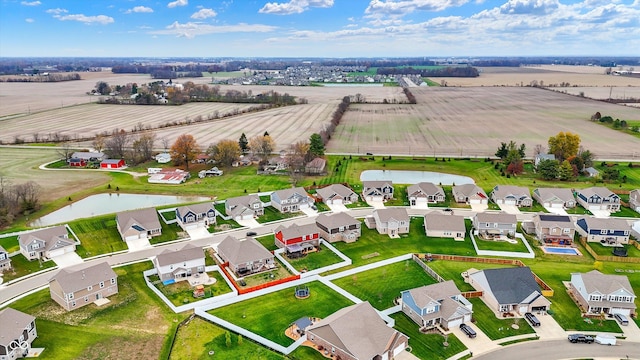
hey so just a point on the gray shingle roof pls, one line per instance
(295, 230)
(605, 223)
(511, 285)
(392, 213)
(53, 237)
(238, 205)
(188, 252)
(426, 188)
(334, 189)
(594, 281)
(242, 251)
(436, 221)
(147, 218)
(502, 191)
(195, 208)
(548, 194)
(468, 190)
(603, 192)
(287, 193)
(336, 220)
(500, 217)
(73, 280)
(13, 324)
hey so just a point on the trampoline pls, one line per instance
(302, 292)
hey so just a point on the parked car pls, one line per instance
(576, 338)
(621, 319)
(251, 233)
(605, 339)
(468, 330)
(533, 320)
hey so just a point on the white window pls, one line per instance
(113, 281)
(73, 304)
(89, 288)
(101, 284)
(567, 231)
(70, 296)
(626, 232)
(35, 246)
(603, 231)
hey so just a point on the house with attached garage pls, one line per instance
(390, 221)
(338, 227)
(196, 216)
(511, 195)
(138, 224)
(17, 332)
(598, 198)
(74, 289)
(554, 229)
(5, 260)
(176, 265)
(291, 200)
(444, 225)
(297, 238)
(337, 194)
(611, 231)
(557, 198)
(469, 194)
(245, 257)
(377, 190)
(46, 243)
(634, 200)
(244, 207)
(357, 332)
(509, 290)
(425, 193)
(439, 304)
(489, 225)
(598, 293)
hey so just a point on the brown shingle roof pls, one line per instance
(426, 188)
(188, 252)
(242, 251)
(146, 218)
(296, 230)
(435, 221)
(72, 281)
(336, 220)
(334, 189)
(594, 281)
(392, 213)
(500, 217)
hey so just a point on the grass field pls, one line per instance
(97, 235)
(181, 292)
(496, 328)
(501, 245)
(20, 267)
(273, 214)
(315, 260)
(257, 314)
(427, 346)
(599, 249)
(10, 243)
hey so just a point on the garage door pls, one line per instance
(475, 201)
(625, 312)
(57, 252)
(337, 201)
(509, 202)
(455, 323)
(399, 349)
(594, 207)
(246, 217)
(557, 206)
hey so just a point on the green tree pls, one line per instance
(548, 169)
(565, 171)
(564, 145)
(316, 145)
(243, 143)
(502, 150)
(227, 338)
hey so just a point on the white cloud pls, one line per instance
(139, 9)
(402, 7)
(204, 14)
(30, 3)
(191, 30)
(294, 6)
(98, 19)
(178, 3)
(538, 7)
(29, 20)
(57, 11)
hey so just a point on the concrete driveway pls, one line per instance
(421, 206)
(631, 331)
(198, 233)
(138, 244)
(376, 204)
(67, 259)
(250, 223)
(479, 207)
(510, 209)
(557, 211)
(600, 213)
(549, 328)
(336, 208)
(310, 212)
(478, 345)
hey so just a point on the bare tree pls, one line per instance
(539, 149)
(261, 146)
(165, 144)
(116, 145)
(98, 143)
(225, 152)
(143, 147)
(65, 151)
(28, 195)
(296, 160)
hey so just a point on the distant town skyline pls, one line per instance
(319, 28)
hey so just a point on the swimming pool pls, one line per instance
(560, 250)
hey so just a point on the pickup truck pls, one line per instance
(576, 338)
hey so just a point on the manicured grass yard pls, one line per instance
(632, 251)
(496, 328)
(626, 212)
(280, 272)
(97, 235)
(270, 315)
(170, 232)
(427, 346)
(382, 285)
(222, 225)
(500, 245)
(22, 267)
(268, 241)
(452, 270)
(10, 243)
(181, 292)
(315, 260)
(272, 214)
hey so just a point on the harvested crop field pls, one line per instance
(473, 121)
(602, 93)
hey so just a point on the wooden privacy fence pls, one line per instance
(611, 258)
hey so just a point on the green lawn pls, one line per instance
(599, 249)
(222, 225)
(170, 232)
(97, 235)
(496, 328)
(305, 353)
(20, 267)
(382, 285)
(181, 292)
(315, 260)
(427, 346)
(270, 315)
(272, 214)
(169, 215)
(268, 241)
(501, 245)
(626, 212)
(10, 243)
(280, 272)
(452, 270)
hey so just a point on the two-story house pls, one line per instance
(444, 225)
(598, 293)
(611, 231)
(297, 238)
(598, 198)
(17, 332)
(489, 225)
(138, 224)
(5, 260)
(424, 193)
(377, 190)
(291, 200)
(634, 200)
(244, 207)
(73, 289)
(245, 257)
(196, 216)
(511, 195)
(338, 227)
(337, 194)
(469, 194)
(555, 198)
(390, 221)
(176, 265)
(554, 229)
(46, 243)
(439, 304)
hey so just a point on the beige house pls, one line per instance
(244, 207)
(390, 221)
(176, 265)
(338, 227)
(634, 200)
(556, 198)
(46, 243)
(17, 332)
(337, 194)
(469, 194)
(377, 190)
(5, 260)
(489, 225)
(554, 229)
(357, 332)
(425, 193)
(77, 288)
(291, 200)
(443, 225)
(138, 224)
(245, 257)
(511, 195)
(600, 293)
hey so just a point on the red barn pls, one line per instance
(77, 162)
(112, 164)
(297, 238)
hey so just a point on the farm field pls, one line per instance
(620, 92)
(473, 121)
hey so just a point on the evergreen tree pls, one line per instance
(316, 147)
(244, 143)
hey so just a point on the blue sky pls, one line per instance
(319, 28)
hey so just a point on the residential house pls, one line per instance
(634, 200)
(444, 225)
(5, 260)
(196, 215)
(77, 162)
(611, 231)
(542, 157)
(554, 229)
(138, 224)
(74, 289)
(17, 332)
(469, 194)
(297, 238)
(337, 194)
(511, 195)
(112, 164)
(357, 332)
(338, 227)
(89, 156)
(597, 293)
(439, 304)
(425, 193)
(391, 221)
(558, 198)
(46, 243)
(163, 158)
(316, 166)
(489, 225)
(509, 289)
(245, 257)
(244, 207)
(291, 200)
(598, 198)
(591, 172)
(176, 265)
(377, 190)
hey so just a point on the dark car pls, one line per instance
(251, 233)
(533, 320)
(576, 338)
(621, 319)
(468, 330)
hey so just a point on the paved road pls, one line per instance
(562, 349)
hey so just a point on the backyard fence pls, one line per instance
(619, 259)
(427, 269)
(242, 291)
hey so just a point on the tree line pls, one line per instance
(40, 78)
(448, 71)
(17, 199)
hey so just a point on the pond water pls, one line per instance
(414, 177)
(102, 204)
